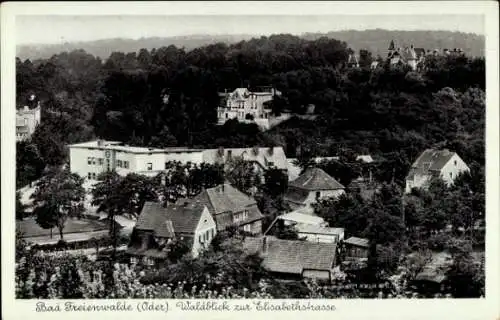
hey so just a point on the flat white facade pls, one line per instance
(92, 158)
(315, 196)
(242, 103)
(89, 159)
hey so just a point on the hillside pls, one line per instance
(374, 40)
(377, 41)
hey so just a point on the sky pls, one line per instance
(42, 29)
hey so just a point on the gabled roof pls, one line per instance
(165, 221)
(292, 256)
(315, 179)
(224, 198)
(352, 59)
(361, 242)
(429, 161)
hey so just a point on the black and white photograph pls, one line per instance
(250, 156)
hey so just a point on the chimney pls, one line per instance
(265, 245)
(255, 151)
(221, 152)
(100, 143)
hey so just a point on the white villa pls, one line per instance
(246, 106)
(27, 119)
(432, 163)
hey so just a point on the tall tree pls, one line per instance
(58, 196)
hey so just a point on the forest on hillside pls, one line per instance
(375, 40)
(168, 97)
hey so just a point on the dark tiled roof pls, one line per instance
(316, 179)
(430, 160)
(224, 198)
(296, 195)
(292, 256)
(221, 201)
(361, 242)
(420, 52)
(164, 221)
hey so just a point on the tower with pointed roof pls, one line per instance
(391, 48)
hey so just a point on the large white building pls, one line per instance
(27, 119)
(246, 106)
(89, 159)
(431, 164)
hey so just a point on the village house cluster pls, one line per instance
(196, 221)
(409, 56)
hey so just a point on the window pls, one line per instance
(119, 163)
(213, 233)
(455, 162)
(247, 228)
(93, 161)
(89, 160)
(125, 164)
(89, 175)
(93, 175)
(150, 166)
(101, 161)
(208, 234)
(200, 240)
(318, 194)
(451, 174)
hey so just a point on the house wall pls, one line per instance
(238, 109)
(254, 227)
(356, 252)
(138, 162)
(453, 168)
(323, 238)
(31, 119)
(418, 181)
(206, 229)
(311, 198)
(316, 274)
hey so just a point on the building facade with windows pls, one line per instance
(246, 106)
(89, 159)
(27, 119)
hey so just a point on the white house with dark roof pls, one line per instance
(231, 208)
(312, 185)
(443, 164)
(158, 226)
